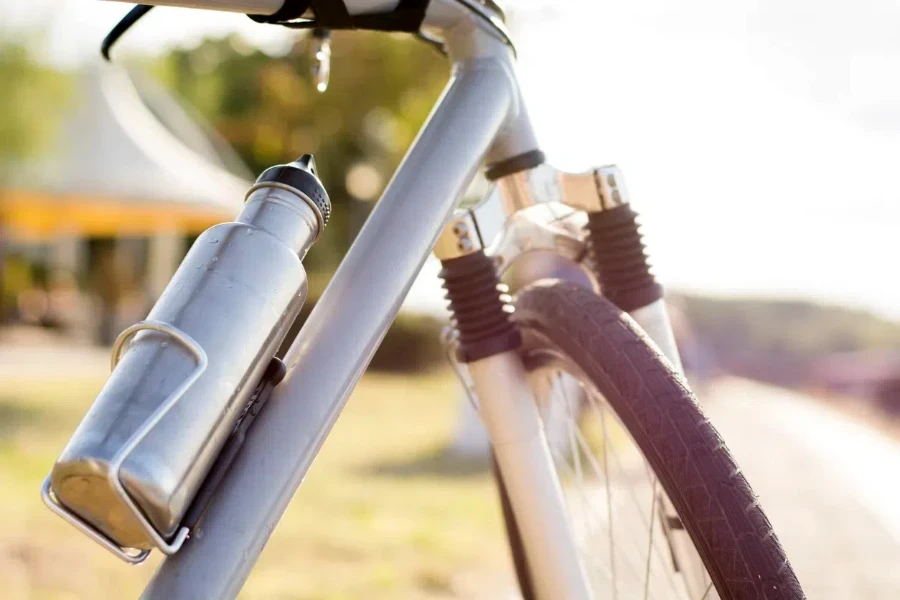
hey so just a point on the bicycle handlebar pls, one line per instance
(268, 7)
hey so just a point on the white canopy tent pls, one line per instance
(127, 160)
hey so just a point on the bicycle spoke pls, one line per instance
(576, 473)
(627, 559)
(650, 542)
(584, 501)
(629, 567)
(584, 446)
(640, 512)
(609, 505)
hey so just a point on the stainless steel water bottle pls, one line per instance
(181, 378)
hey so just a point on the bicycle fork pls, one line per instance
(487, 341)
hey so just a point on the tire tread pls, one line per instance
(709, 491)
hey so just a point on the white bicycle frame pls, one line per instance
(479, 118)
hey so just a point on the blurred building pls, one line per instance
(91, 231)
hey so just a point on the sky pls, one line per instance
(759, 140)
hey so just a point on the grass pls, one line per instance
(384, 513)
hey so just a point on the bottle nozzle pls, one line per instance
(308, 163)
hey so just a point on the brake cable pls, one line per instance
(121, 27)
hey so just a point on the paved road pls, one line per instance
(830, 486)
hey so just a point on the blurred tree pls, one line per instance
(777, 340)
(30, 104)
(382, 87)
(32, 101)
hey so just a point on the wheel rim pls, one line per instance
(629, 536)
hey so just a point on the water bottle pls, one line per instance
(181, 378)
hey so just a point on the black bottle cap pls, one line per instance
(303, 177)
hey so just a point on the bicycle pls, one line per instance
(604, 336)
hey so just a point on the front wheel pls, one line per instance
(659, 507)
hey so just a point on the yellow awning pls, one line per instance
(30, 215)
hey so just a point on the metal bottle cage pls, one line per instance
(134, 555)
